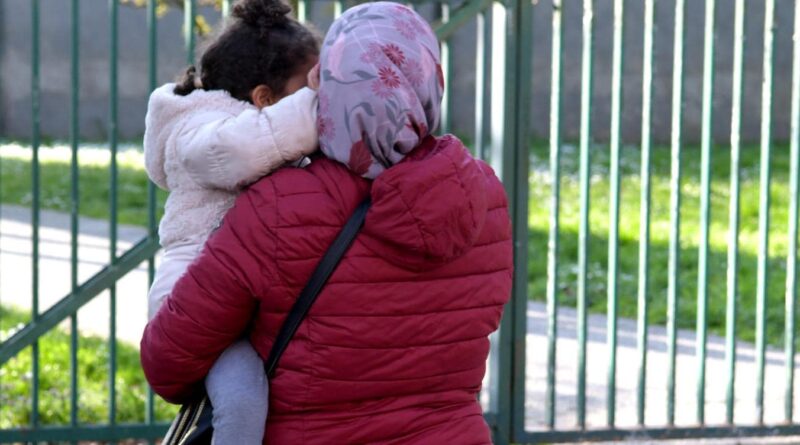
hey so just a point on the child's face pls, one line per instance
(300, 79)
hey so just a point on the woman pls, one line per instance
(394, 349)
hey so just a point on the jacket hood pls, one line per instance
(430, 208)
(168, 114)
(164, 112)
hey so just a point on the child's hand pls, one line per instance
(313, 78)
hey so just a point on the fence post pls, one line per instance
(502, 60)
(521, 148)
(553, 241)
(510, 103)
(501, 132)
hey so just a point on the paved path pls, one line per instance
(15, 289)
(627, 375)
(55, 267)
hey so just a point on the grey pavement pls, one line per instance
(656, 386)
(55, 269)
(15, 289)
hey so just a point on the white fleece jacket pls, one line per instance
(203, 148)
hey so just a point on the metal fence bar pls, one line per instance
(794, 193)
(302, 10)
(226, 8)
(523, 17)
(1, 231)
(112, 219)
(482, 129)
(501, 122)
(446, 64)
(189, 13)
(500, 29)
(705, 210)
(511, 71)
(152, 36)
(675, 206)
(338, 8)
(733, 215)
(36, 198)
(583, 231)
(764, 204)
(461, 15)
(74, 200)
(58, 312)
(115, 434)
(613, 235)
(152, 32)
(644, 212)
(555, 202)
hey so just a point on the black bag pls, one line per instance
(192, 425)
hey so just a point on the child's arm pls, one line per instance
(212, 304)
(237, 150)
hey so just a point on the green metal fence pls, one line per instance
(503, 71)
(45, 321)
(611, 431)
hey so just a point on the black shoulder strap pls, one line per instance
(315, 284)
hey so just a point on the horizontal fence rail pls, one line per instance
(637, 258)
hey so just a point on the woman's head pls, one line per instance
(260, 56)
(381, 86)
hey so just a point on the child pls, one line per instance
(246, 114)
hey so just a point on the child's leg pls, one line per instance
(237, 387)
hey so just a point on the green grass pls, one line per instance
(540, 189)
(94, 181)
(15, 187)
(54, 380)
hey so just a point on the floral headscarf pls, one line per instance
(381, 86)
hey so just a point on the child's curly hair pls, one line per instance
(261, 45)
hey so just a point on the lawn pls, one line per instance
(54, 380)
(94, 180)
(15, 187)
(540, 189)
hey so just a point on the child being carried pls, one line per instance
(247, 113)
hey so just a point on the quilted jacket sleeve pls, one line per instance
(235, 151)
(210, 306)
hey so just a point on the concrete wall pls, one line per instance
(662, 82)
(15, 67)
(15, 116)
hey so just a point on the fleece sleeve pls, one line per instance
(234, 151)
(210, 306)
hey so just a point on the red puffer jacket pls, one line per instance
(394, 349)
